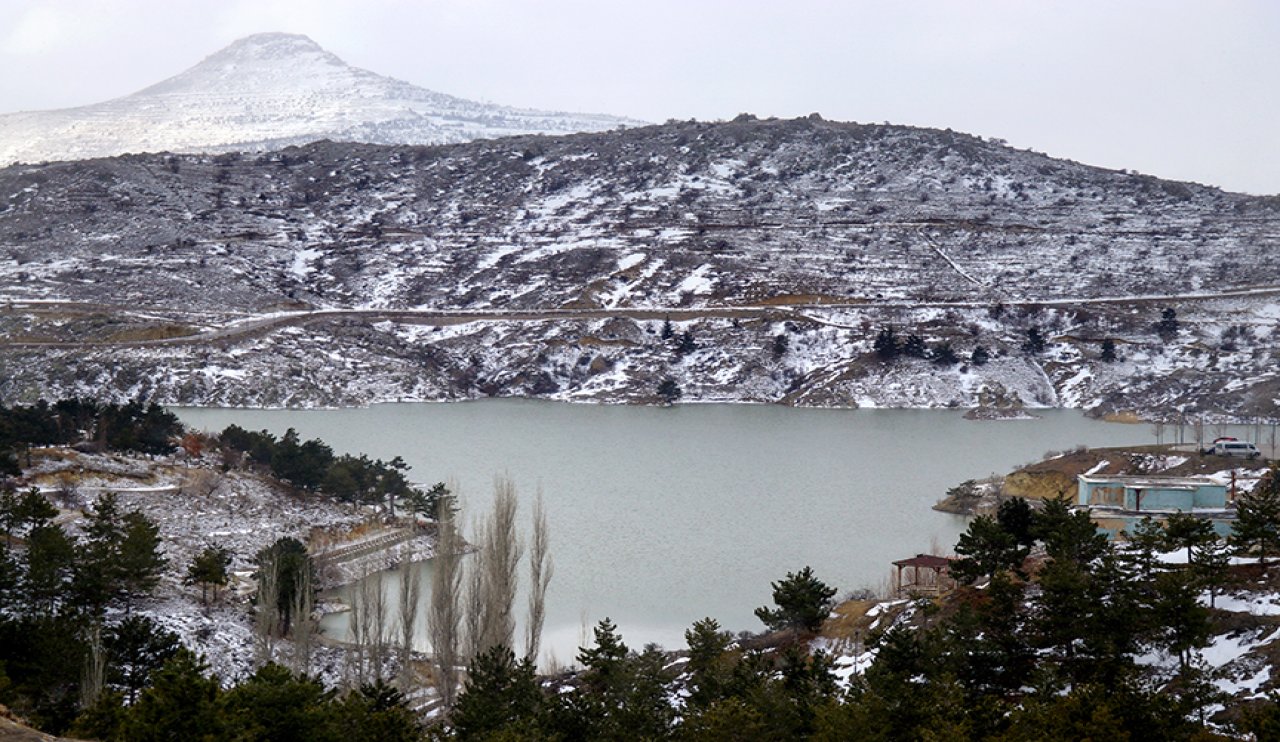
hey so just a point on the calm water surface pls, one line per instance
(661, 516)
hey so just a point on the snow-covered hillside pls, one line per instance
(265, 92)
(818, 232)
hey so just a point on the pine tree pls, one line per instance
(669, 390)
(1068, 535)
(209, 569)
(1035, 342)
(140, 562)
(780, 345)
(182, 703)
(275, 704)
(137, 647)
(1182, 621)
(914, 347)
(803, 603)
(979, 356)
(886, 344)
(1145, 541)
(987, 548)
(50, 557)
(287, 557)
(1108, 351)
(501, 697)
(709, 666)
(944, 355)
(1167, 327)
(686, 345)
(1257, 524)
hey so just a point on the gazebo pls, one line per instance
(928, 575)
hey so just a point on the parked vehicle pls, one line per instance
(1242, 449)
(1208, 449)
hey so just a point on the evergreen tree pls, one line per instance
(987, 548)
(140, 562)
(288, 557)
(1035, 342)
(209, 569)
(427, 504)
(274, 705)
(34, 509)
(1144, 543)
(1017, 519)
(667, 331)
(979, 356)
(803, 603)
(137, 647)
(49, 560)
(780, 345)
(303, 464)
(1067, 535)
(1257, 524)
(710, 667)
(376, 711)
(11, 515)
(686, 344)
(1185, 531)
(183, 703)
(120, 556)
(1108, 351)
(622, 696)
(9, 578)
(1167, 327)
(886, 344)
(943, 354)
(605, 662)
(914, 347)
(1209, 565)
(669, 390)
(1180, 618)
(501, 697)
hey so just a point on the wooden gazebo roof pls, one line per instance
(928, 561)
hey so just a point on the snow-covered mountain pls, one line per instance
(265, 92)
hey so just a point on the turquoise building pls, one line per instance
(1116, 503)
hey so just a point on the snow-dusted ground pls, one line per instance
(836, 229)
(195, 505)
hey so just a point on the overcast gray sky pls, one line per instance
(1174, 88)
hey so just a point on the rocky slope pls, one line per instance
(819, 232)
(265, 92)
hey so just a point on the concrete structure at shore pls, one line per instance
(1117, 503)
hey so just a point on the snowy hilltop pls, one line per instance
(346, 274)
(265, 92)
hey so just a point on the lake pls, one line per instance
(662, 516)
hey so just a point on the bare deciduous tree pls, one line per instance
(95, 666)
(368, 617)
(266, 615)
(500, 560)
(444, 620)
(303, 625)
(540, 569)
(474, 597)
(410, 596)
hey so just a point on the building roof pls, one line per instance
(924, 560)
(1154, 481)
